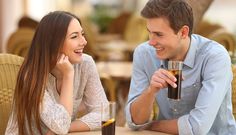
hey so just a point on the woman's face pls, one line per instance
(74, 42)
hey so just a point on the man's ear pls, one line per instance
(184, 32)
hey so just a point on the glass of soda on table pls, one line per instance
(108, 118)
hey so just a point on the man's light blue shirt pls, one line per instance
(205, 106)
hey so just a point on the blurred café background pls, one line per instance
(113, 29)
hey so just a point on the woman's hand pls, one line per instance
(64, 65)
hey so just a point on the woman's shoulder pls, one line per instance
(87, 61)
(87, 58)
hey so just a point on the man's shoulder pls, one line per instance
(208, 47)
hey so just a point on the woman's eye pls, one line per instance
(73, 37)
(83, 34)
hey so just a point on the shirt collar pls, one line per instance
(191, 54)
(190, 57)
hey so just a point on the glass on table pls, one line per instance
(108, 118)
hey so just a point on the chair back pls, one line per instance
(136, 30)
(19, 42)
(234, 90)
(218, 33)
(9, 67)
(225, 38)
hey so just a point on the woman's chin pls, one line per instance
(76, 61)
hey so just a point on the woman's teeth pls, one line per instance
(78, 51)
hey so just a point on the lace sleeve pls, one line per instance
(93, 96)
(54, 115)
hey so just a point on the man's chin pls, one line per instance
(161, 57)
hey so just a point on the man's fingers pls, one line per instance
(169, 75)
(165, 77)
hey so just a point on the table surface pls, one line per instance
(121, 131)
(118, 70)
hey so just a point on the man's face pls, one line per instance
(167, 44)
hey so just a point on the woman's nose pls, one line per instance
(84, 41)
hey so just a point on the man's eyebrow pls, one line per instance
(155, 32)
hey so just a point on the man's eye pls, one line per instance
(158, 34)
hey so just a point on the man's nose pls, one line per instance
(151, 41)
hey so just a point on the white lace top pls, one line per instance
(88, 92)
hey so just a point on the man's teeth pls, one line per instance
(159, 49)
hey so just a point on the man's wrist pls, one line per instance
(151, 91)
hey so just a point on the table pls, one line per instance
(115, 76)
(119, 45)
(112, 73)
(115, 69)
(121, 131)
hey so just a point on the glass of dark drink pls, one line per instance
(108, 118)
(175, 67)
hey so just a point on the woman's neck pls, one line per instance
(56, 73)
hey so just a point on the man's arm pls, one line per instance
(160, 79)
(141, 108)
(166, 126)
(143, 89)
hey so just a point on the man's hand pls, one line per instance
(160, 79)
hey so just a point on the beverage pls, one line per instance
(108, 127)
(108, 118)
(175, 67)
(175, 93)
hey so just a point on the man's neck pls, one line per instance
(186, 45)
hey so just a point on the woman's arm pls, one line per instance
(64, 73)
(54, 115)
(93, 96)
(78, 125)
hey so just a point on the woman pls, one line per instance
(55, 79)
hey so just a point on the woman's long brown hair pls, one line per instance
(33, 74)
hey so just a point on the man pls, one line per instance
(205, 106)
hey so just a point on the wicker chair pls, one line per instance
(136, 30)
(234, 90)
(19, 42)
(225, 38)
(9, 67)
(218, 33)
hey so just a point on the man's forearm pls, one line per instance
(141, 108)
(165, 126)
